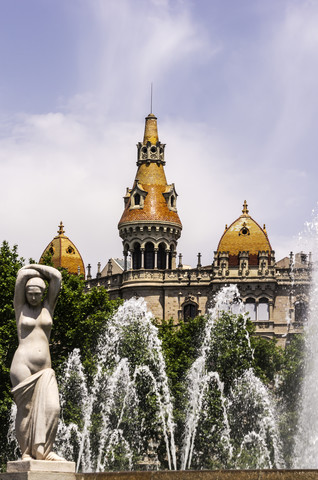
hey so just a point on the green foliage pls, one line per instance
(79, 318)
(180, 345)
(289, 391)
(234, 349)
(292, 371)
(230, 353)
(10, 263)
(268, 358)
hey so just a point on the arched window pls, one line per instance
(137, 199)
(149, 256)
(172, 201)
(301, 312)
(250, 308)
(161, 260)
(190, 310)
(136, 256)
(263, 309)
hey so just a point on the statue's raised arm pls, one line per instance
(34, 385)
(34, 275)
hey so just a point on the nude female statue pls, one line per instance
(34, 385)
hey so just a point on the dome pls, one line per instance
(155, 207)
(64, 253)
(244, 235)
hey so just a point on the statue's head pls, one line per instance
(34, 290)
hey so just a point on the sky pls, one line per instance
(235, 91)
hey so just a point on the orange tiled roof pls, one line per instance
(155, 208)
(65, 253)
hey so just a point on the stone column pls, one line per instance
(89, 275)
(167, 257)
(98, 275)
(270, 310)
(142, 253)
(131, 251)
(125, 253)
(156, 257)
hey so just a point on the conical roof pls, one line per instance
(151, 182)
(64, 253)
(244, 235)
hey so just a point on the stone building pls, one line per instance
(275, 293)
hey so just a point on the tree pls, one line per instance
(289, 391)
(10, 263)
(238, 358)
(79, 318)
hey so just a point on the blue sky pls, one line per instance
(235, 92)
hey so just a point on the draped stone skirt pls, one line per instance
(38, 410)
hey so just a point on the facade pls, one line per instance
(275, 293)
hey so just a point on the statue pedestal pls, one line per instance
(39, 470)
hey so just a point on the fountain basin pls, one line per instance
(170, 475)
(205, 475)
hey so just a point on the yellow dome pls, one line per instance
(64, 253)
(244, 235)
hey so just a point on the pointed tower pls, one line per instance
(150, 226)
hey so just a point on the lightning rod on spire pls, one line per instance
(151, 98)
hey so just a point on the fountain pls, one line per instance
(127, 410)
(124, 412)
(306, 442)
(247, 409)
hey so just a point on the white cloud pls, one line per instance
(258, 142)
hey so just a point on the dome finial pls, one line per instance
(61, 230)
(245, 209)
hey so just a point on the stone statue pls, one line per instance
(34, 384)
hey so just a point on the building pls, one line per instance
(275, 293)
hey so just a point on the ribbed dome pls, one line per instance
(64, 253)
(244, 235)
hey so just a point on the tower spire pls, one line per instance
(151, 130)
(152, 205)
